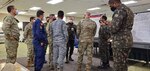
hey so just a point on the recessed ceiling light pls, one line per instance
(95, 8)
(129, 2)
(148, 9)
(35, 8)
(71, 13)
(21, 12)
(54, 1)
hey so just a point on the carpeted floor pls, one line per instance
(72, 66)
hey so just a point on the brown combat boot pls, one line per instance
(88, 67)
(55, 68)
(51, 67)
(79, 68)
(30, 63)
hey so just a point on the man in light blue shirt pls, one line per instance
(59, 38)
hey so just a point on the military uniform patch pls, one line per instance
(116, 15)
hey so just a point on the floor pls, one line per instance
(72, 66)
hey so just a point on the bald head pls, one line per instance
(87, 15)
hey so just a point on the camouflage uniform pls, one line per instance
(121, 28)
(11, 31)
(45, 26)
(60, 37)
(86, 30)
(28, 40)
(49, 43)
(104, 35)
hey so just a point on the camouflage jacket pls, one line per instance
(28, 33)
(48, 29)
(122, 22)
(104, 33)
(86, 30)
(10, 28)
(59, 31)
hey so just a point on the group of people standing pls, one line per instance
(59, 37)
(54, 34)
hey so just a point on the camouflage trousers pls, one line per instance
(30, 52)
(11, 49)
(88, 47)
(104, 52)
(120, 56)
(50, 54)
(59, 53)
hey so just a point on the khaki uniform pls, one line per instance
(86, 30)
(28, 40)
(11, 32)
(122, 22)
(49, 43)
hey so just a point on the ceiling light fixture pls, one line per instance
(54, 1)
(148, 9)
(35, 8)
(21, 12)
(95, 8)
(71, 13)
(130, 2)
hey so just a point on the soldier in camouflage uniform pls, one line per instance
(104, 35)
(11, 32)
(28, 40)
(59, 37)
(122, 22)
(86, 30)
(48, 29)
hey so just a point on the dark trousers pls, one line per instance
(39, 52)
(70, 47)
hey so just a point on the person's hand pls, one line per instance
(108, 23)
(102, 23)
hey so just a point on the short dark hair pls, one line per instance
(113, 1)
(47, 17)
(31, 18)
(60, 14)
(104, 17)
(39, 13)
(9, 8)
(52, 15)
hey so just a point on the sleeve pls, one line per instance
(107, 33)
(65, 32)
(117, 20)
(79, 29)
(51, 30)
(100, 33)
(39, 32)
(48, 29)
(7, 26)
(25, 34)
(95, 28)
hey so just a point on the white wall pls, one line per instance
(76, 20)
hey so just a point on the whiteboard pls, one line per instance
(98, 25)
(141, 27)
